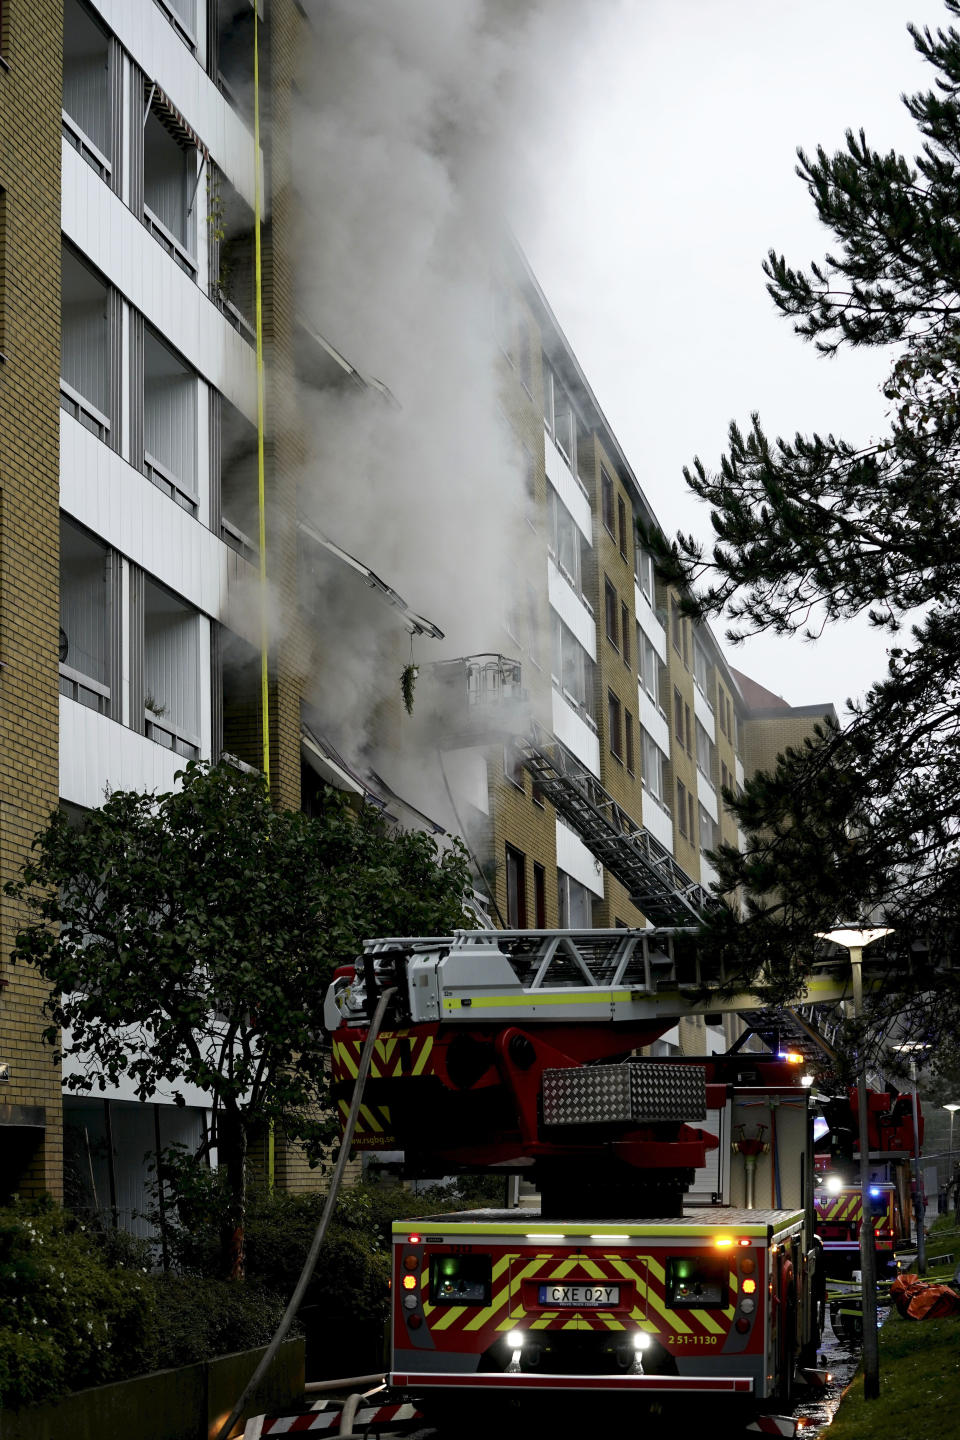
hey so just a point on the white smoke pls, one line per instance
(417, 130)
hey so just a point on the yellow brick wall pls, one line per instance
(30, 93)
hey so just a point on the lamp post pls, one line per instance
(855, 940)
(953, 1108)
(910, 1047)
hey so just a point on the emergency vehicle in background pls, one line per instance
(892, 1146)
(674, 1247)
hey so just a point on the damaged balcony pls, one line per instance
(475, 700)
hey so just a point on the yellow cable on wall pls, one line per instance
(261, 488)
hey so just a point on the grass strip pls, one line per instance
(919, 1386)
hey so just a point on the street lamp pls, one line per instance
(909, 1047)
(855, 940)
(952, 1108)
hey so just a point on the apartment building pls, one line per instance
(130, 580)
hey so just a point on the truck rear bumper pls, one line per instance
(677, 1384)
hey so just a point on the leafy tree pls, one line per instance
(188, 938)
(817, 529)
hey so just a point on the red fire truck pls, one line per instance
(838, 1202)
(673, 1248)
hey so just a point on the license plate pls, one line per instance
(580, 1297)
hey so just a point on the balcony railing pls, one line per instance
(170, 485)
(170, 242)
(84, 146)
(232, 315)
(84, 410)
(233, 536)
(170, 737)
(90, 693)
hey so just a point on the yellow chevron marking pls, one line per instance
(448, 1317)
(343, 1057)
(594, 1271)
(708, 1322)
(545, 1319)
(571, 1324)
(563, 1270)
(611, 1321)
(423, 1057)
(654, 1301)
(371, 1119)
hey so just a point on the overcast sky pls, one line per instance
(670, 176)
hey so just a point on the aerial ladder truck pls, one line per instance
(673, 1250)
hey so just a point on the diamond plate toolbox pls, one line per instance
(637, 1094)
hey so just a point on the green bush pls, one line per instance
(192, 1319)
(67, 1317)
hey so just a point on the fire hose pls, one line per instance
(320, 1234)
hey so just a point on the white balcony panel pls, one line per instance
(466, 772)
(738, 767)
(571, 609)
(97, 753)
(101, 491)
(708, 797)
(574, 857)
(568, 487)
(658, 821)
(708, 876)
(653, 720)
(650, 623)
(101, 226)
(150, 38)
(576, 734)
(704, 712)
(126, 1089)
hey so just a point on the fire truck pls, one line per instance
(838, 1201)
(673, 1248)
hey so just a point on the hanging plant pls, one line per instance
(408, 681)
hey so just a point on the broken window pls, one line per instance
(239, 513)
(232, 273)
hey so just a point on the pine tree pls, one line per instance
(815, 529)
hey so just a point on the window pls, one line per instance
(169, 188)
(701, 669)
(706, 752)
(516, 889)
(610, 609)
(239, 506)
(685, 812)
(572, 667)
(3, 260)
(654, 762)
(170, 392)
(539, 897)
(574, 903)
(650, 666)
(707, 829)
(559, 416)
(606, 499)
(537, 795)
(688, 741)
(614, 727)
(724, 777)
(676, 625)
(533, 626)
(512, 766)
(171, 671)
(566, 540)
(232, 255)
(678, 714)
(86, 107)
(625, 632)
(182, 15)
(88, 620)
(722, 706)
(230, 51)
(87, 350)
(628, 739)
(622, 525)
(643, 564)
